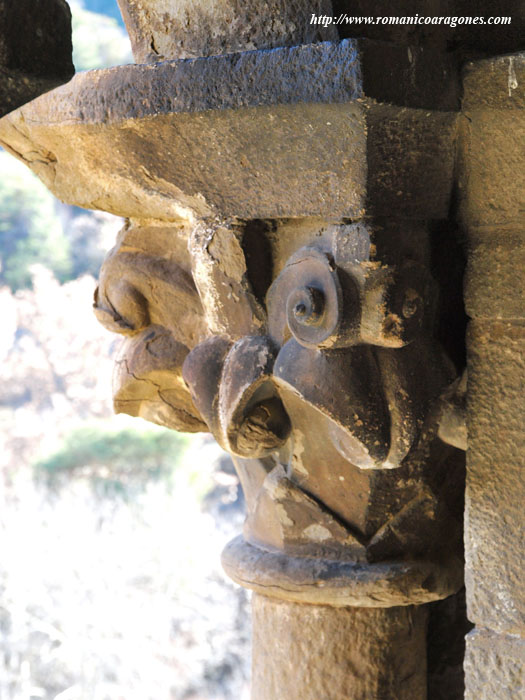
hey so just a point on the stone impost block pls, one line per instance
(159, 30)
(494, 533)
(283, 133)
(35, 49)
(494, 666)
(492, 154)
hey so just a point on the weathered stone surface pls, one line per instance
(494, 666)
(233, 388)
(494, 83)
(338, 583)
(492, 202)
(159, 30)
(342, 158)
(148, 381)
(340, 455)
(142, 284)
(492, 158)
(332, 408)
(254, 421)
(286, 518)
(320, 73)
(309, 652)
(146, 293)
(453, 421)
(344, 397)
(495, 537)
(35, 49)
(495, 382)
(363, 301)
(219, 271)
(495, 279)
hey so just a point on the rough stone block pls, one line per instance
(188, 28)
(494, 533)
(494, 666)
(35, 49)
(492, 153)
(200, 28)
(496, 379)
(495, 83)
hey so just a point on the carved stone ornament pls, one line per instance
(289, 279)
(276, 284)
(307, 348)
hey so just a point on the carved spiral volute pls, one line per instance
(328, 303)
(313, 302)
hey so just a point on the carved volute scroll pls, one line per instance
(307, 348)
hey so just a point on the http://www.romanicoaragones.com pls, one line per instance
(344, 19)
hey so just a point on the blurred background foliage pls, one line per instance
(34, 226)
(30, 227)
(110, 528)
(120, 462)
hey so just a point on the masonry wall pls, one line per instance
(492, 187)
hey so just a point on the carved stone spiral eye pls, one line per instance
(313, 312)
(314, 295)
(306, 306)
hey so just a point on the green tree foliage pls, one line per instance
(30, 228)
(114, 462)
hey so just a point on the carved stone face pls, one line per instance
(306, 347)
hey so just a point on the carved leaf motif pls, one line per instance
(318, 396)
(253, 419)
(153, 300)
(148, 381)
(345, 387)
(311, 302)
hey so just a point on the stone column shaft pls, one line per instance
(493, 189)
(309, 652)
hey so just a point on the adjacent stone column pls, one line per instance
(493, 210)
